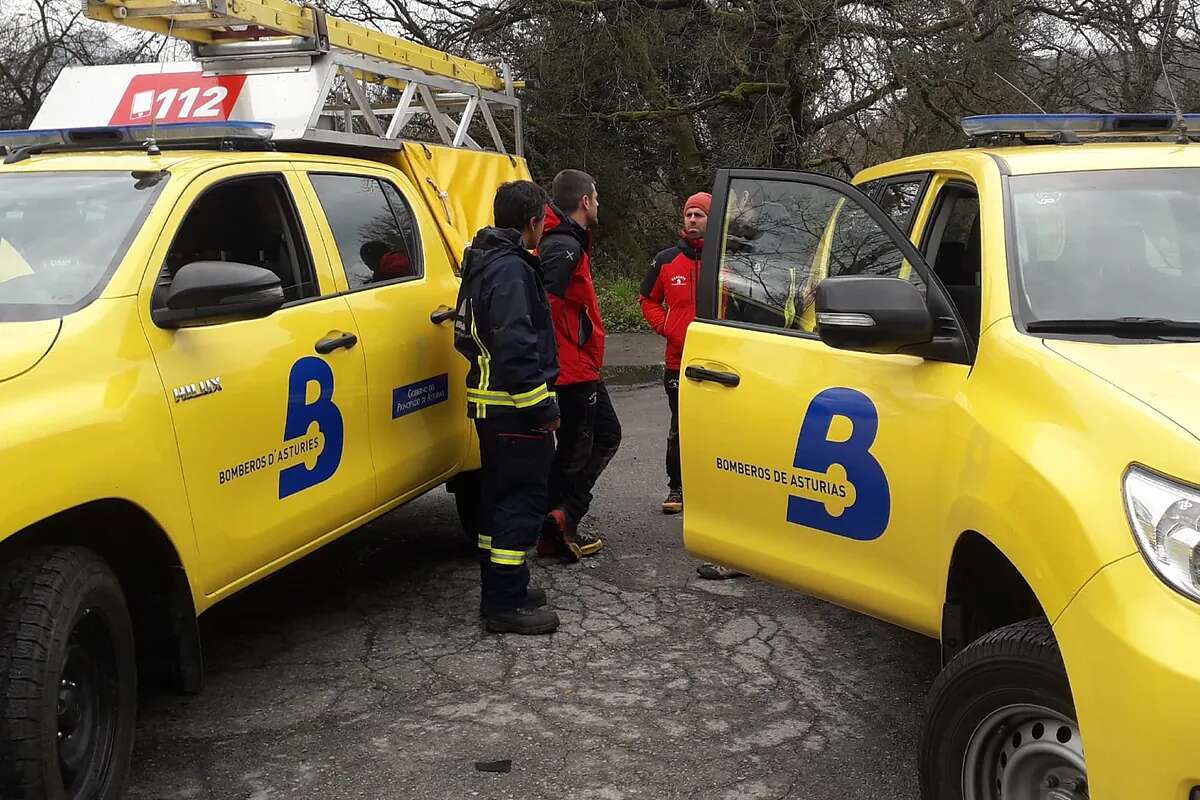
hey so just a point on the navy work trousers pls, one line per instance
(516, 470)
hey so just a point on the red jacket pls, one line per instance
(565, 253)
(669, 295)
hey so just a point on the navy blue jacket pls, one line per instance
(504, 329)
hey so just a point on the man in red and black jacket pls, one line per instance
(590, 432)
(669, 305)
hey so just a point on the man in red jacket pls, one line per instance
(590, 432)
(669, 305)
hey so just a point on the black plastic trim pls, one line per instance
(694, 373)
(1001, 165)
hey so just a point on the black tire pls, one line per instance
(468, 499)
(1001, 710)
(67, 666)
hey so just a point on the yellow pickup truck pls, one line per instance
(220, 353)
(961, 397)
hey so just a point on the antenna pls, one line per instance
(1180, 124)
(1018, 91)
(152, 142)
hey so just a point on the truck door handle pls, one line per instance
(336, 341)
(442, 314)
(712, 375)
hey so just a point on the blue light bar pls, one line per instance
(1078, 124)
(137, 135)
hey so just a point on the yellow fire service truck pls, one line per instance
(961, 398)
(226, 289)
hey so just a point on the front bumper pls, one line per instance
(1132, 650)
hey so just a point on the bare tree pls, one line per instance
(39, 40)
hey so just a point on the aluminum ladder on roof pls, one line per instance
(265, 36)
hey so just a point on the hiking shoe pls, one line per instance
(582, 544)
(525, 621)
(562, 538)
(535, 597)
(716, 572)
(674, 502)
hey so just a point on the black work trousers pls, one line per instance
(587, 441)
(674, 474)
(516, 468)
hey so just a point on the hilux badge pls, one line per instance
(194, 390)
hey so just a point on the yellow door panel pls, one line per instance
(824, 469)
(375, 228)
(271, 433)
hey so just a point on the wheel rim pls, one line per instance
(1025, 752)
(87, 705)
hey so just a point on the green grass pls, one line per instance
(619, 305)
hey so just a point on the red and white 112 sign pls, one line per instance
(178, 97)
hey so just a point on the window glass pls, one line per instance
(44, 273)
(1108, 244)
(955, 251)
(246, 221)
(373, 226)
(899, 201)
(782, 238)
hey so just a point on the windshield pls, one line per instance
(1112, 245)
(61, 236)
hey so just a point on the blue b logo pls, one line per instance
(851, 497)
(300, 417)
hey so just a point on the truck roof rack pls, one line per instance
(1073, 128)
(316, 78)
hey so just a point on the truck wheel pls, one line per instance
(468, 498)
(68, 677)
(1001, 723)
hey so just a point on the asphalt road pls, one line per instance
(363, 672)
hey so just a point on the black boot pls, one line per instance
(535, 597)
(526, 621)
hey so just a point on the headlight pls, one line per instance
(1165, 516)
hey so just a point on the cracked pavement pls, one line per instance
(363, 672)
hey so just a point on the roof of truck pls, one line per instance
(1045, 158)
(171, 160)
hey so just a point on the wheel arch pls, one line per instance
(985, 591)
(152, 577)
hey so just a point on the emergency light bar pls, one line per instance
(1078, 124)
(118, 136)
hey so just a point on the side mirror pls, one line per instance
(872, 314)
(204, 292)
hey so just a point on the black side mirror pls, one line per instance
(872, 314)
(204, 292)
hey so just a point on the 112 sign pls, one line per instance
(178, 97)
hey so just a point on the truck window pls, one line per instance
(249, 221)
(783, 238)
(899, 199)
(953, 247)
(44, 273)
(374, 228)
(858, 246)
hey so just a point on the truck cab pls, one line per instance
(228, 342)
(952, 396)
